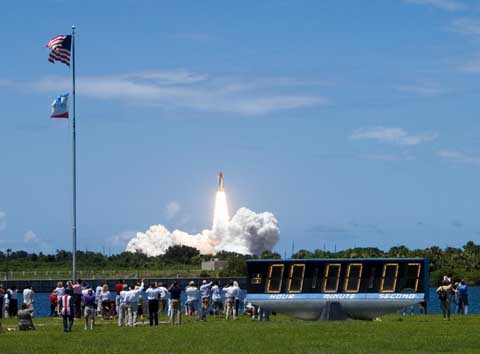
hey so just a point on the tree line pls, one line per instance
(460, 263)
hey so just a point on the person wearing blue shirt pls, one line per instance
(462, 293)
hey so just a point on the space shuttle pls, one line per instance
(220, 182)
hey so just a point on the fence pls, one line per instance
(102, 274)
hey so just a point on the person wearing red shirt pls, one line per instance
(53, 303)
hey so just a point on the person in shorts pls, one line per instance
(90, 309)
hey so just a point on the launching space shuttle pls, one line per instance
(220, 182)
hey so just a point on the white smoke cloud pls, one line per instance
(172, 209)
(246, 233)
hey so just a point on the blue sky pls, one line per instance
(354, 122)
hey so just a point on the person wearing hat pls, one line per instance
(192, 298)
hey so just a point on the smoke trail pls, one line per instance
(246, 233)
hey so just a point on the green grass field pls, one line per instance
(394, 334)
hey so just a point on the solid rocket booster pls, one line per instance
(220, 182)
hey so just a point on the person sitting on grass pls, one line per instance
(25, 318)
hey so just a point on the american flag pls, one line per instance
(60, 49)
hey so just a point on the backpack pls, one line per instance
(442, 295)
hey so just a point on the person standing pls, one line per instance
(217, 302)
(28, 297)
(153, 295)
(122, 306)
(462, 294)
(66, 310)
(2, 295)
(444, 292)
(141, 307)
(13, 307)
(237, 297)
(6, 304)
(192, 299)
(163, 298)
(106, 304)
(89, 312)
(175, 309)
(98, 292)
(205, 298)
(119, 287)
(60, 289)
(53, 303)
(230, 292)
(132, 303)
(77, 298)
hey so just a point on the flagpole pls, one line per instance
(74, 199)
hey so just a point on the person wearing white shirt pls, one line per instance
(28, 298)
(217, 303)
(205, 295)
(6, 304)
(192, 298)
(164, 295)
(106, 305)
(153, 296)
(60, 289)
(132, 304)
(98, 291)
(237, 296)
(122, 306)
(230, 292)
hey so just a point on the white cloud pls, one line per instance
(3, 220)
(397, 136)
(183, 89)
(425, 89)
(406, 156)
(449, 5)
(171, 210)
(473, 66)
(466, 25)
(460, 157)
(32, 239)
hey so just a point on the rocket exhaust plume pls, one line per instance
(246, 233)
(220, 214)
